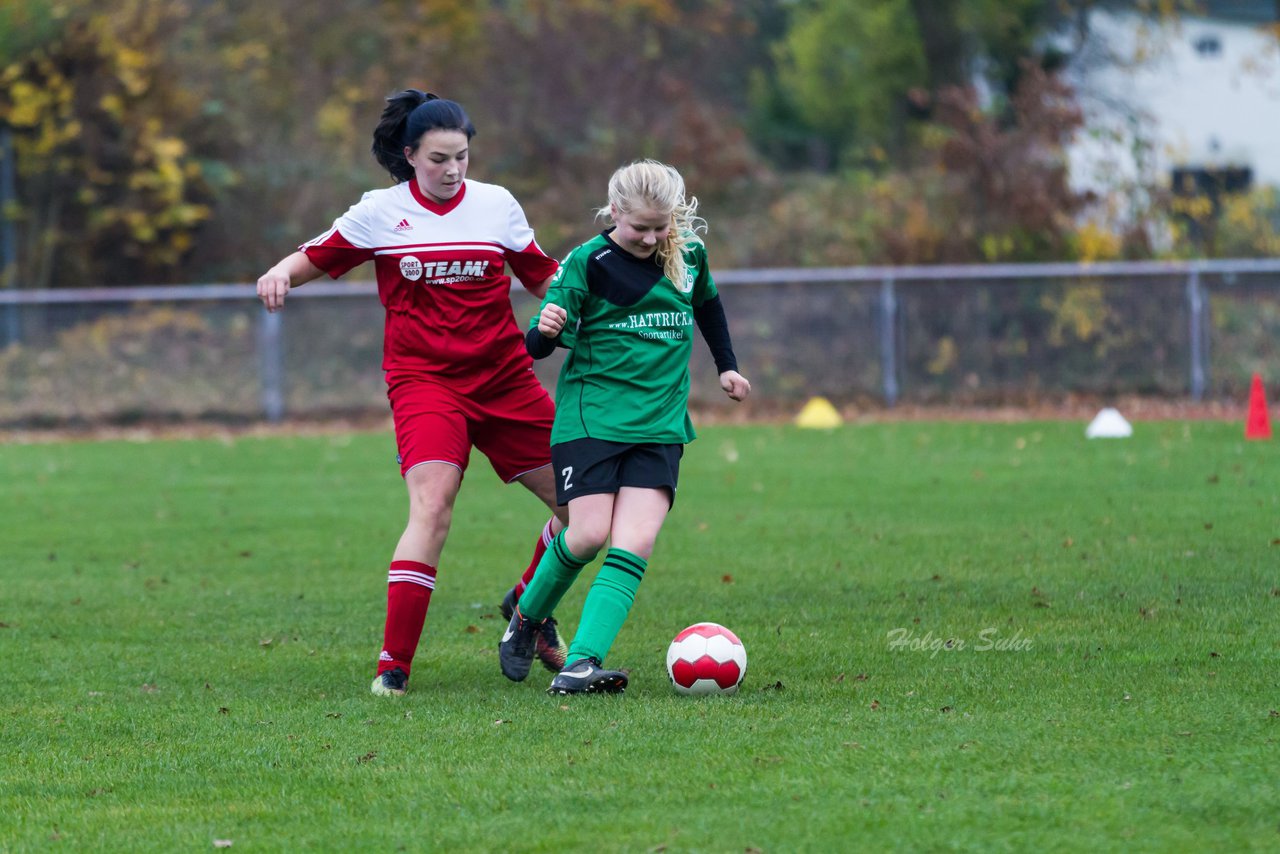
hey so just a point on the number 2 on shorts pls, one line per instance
(566, 473)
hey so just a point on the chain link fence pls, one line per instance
(963, 335)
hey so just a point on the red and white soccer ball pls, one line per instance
(706, 658)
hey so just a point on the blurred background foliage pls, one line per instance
(174, 141)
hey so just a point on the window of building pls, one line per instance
(1208, 46)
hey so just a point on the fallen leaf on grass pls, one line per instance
(471, 630)
(875, 705)
(148, 688)
(727, 578)
(223, 710)
(776, 686)
(368, 757)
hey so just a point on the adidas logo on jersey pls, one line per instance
(404, 226)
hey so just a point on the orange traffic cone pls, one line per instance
(1258, 424)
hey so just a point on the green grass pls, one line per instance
(189, 629)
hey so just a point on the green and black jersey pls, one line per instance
(629, 333)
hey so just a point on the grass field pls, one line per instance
(188, 631)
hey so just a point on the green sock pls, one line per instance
(607, 605)
(552, 579)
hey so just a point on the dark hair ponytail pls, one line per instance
(407, 116)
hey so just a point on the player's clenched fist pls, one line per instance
(735, 385)
(551, 320)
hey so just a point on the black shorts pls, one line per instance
(595, 467)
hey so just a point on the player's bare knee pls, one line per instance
(431, 514)
(586, 538)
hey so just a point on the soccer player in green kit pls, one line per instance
(624, 304)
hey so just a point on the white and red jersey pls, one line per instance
(441, 276)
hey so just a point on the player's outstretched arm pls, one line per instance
(735, 385)
(290, 272)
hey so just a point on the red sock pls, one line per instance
(539, 549)
(409, 586)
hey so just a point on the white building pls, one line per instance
(1193, 92)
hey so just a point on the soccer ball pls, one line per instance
(706, 658)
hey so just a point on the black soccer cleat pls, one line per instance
(390, 683)
(549, 647)
(517, 647)
(586, 676)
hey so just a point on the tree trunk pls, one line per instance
(944, 47)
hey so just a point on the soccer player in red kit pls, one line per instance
(456, 368)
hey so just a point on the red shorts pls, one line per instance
(509, 422)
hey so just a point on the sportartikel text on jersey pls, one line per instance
(441, 276)
(630, 336)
